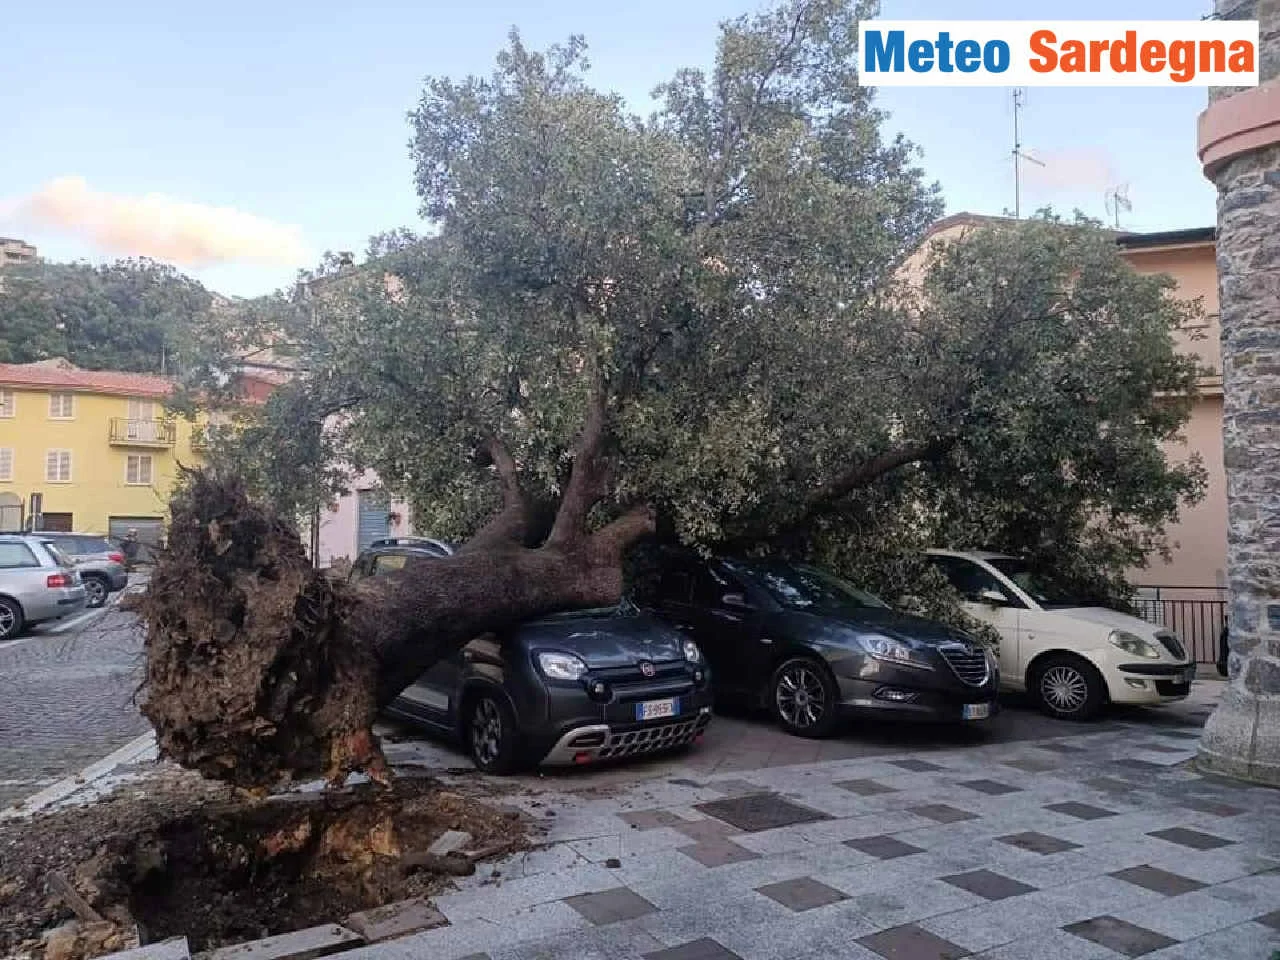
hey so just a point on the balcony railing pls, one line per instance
(142, 433)
(1196, 614)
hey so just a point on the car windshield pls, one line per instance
(625, 608)
(803, 587)
(1038, 585)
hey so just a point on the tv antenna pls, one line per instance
(1117, 200)
(1018, 155)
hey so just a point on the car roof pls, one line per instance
(971, 554)
(68, 533)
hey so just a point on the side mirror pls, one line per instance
(993, 597)
(735, 600)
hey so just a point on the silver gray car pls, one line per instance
(99, 560)
(37, 583)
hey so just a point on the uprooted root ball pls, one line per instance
(249, 678)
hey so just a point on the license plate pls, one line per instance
(977, 711)
(656, 709)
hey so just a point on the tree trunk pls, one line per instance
(262, 669)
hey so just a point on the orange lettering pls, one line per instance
(1073, 56)
(1241, 60)
(1182, 61)
(1042, 42)
(1096, 49)
(1124, 53)
(1218, 51)
(1153, 56)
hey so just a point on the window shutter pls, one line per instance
(6, 463)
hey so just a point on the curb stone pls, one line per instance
(388, 922)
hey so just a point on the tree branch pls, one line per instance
(871, 470)
(590, 478)
(511, 525)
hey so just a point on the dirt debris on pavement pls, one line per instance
(179, 855)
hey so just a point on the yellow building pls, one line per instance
(97, 446)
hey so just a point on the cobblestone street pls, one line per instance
(66, 699)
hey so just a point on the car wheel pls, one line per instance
(95, 591)
(804, 698)
(1069, 688)
(491, 735)
(10, 619)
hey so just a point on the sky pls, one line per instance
(241, 140)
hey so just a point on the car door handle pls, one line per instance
(684, 627)
(726, 615)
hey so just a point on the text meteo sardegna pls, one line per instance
(888, 52)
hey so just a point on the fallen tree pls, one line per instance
(697, 318)
(260, 668)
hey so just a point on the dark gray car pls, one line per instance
(571, 688)
(99, 560)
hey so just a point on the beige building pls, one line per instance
(1197, 569)
(15, 251)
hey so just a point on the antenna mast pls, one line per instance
(1018, 155)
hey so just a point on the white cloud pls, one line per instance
(159, 227)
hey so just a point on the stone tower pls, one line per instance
(1239, 145)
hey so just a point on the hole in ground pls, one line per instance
(223, 872)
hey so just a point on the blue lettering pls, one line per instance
(968, 56)
(882, 57)
(944, 52)
(920, 56)
(995, 56)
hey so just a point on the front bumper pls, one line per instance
(883, 689)
(596, 742)
(575, 727)
(1138, 683)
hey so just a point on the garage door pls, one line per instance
(373, 521)
(150, 530)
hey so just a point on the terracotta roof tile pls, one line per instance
(64, 376)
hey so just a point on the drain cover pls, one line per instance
(760, 811)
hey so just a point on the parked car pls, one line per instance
(570, 688)
(100, 561)
(812, 648)
(37, 583)
(1072, 655)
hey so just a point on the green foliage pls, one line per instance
(134, 315)
(729, 272)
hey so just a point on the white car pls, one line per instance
(1072, 657)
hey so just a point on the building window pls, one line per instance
(62, 406)
(137, 470)
(57, 466)
(7, 404)
(6, 464)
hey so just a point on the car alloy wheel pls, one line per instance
(486, 732)
(1064, 688)
(803, 698)
(95, 592)
(10, 619)
(1069, 688)
(491, 735)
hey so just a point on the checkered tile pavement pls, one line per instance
(1105, 845)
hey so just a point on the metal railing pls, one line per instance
(143, 433)
(1195, 614)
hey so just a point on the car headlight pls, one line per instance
(691, 651)
(561, 666)
(893, 651)
(1133, 644)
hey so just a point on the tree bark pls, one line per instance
(260, 669)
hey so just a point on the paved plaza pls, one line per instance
(1080, 841)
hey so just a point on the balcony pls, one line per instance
(142, 433)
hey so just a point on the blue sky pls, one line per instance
(294, 112)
